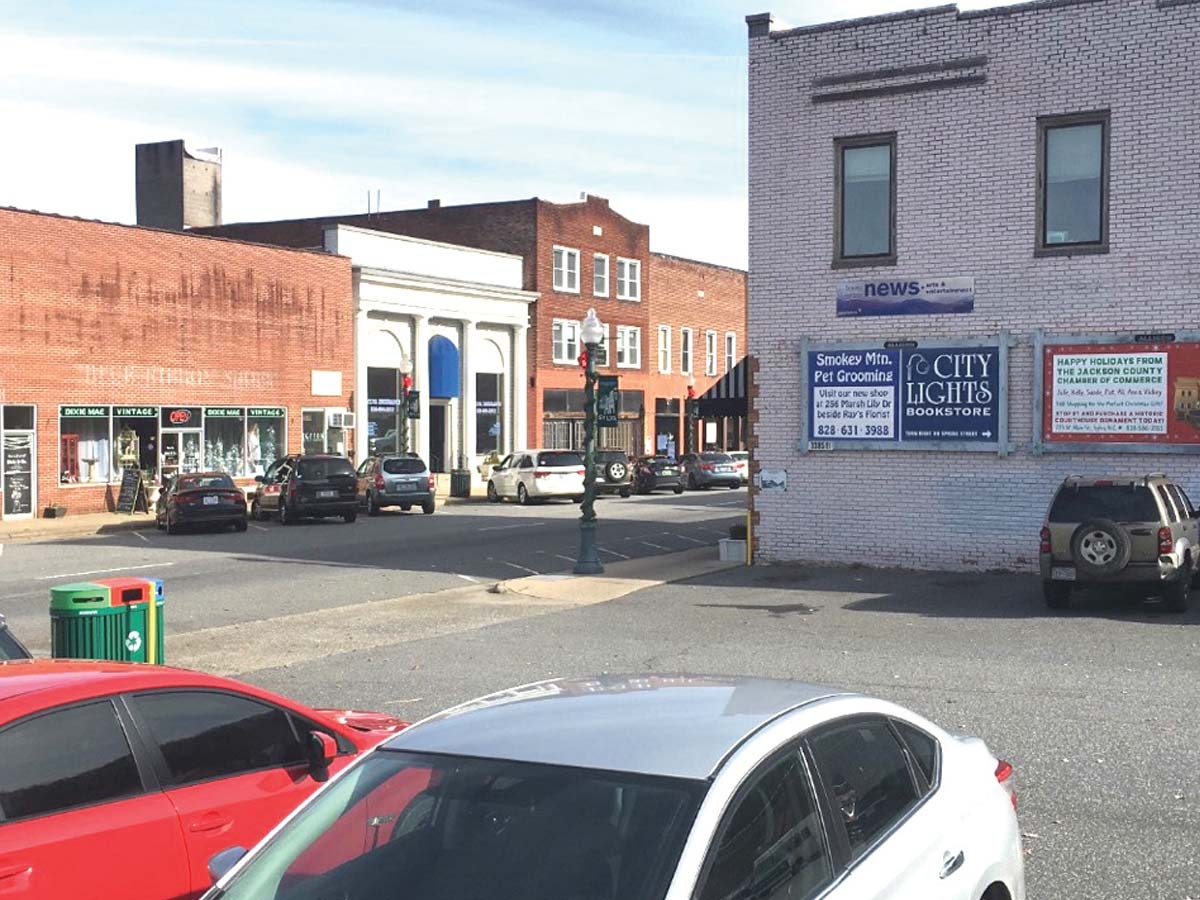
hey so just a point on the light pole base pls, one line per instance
(589, 561)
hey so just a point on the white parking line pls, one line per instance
(613, 552)
(142, 536)
(655, 546)
(569, 559)
(467, 578)
(259, 527)
(509, 527)
(520, 568)
(684, 537)
(103, 571)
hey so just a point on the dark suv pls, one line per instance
(307, 485)
(614, 473)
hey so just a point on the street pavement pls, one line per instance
(215, 579)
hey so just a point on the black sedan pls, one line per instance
(655, 473)
(203, 498)
(10, 647)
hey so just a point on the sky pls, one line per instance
(318, 103)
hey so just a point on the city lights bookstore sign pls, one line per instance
(1130, 393)
(904, 395)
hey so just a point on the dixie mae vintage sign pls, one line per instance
(905, 397)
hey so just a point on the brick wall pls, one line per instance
(103, 314)
(965, 206)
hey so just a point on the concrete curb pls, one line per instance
(73, 529)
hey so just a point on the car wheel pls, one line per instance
(578, 498)
(1100, 548)
(241, 524)
(172, 528)
(625, 492)
(691, 483)
(286, 516)
(158, 523)
(734, 487)
(372, 506)
(616, 471)
(1177, 594)
(405, 507)
(705, 487)
(350, 516)
(493, 497)
(256, 511)
(428, 508)
(522, 495)
(679, 490)
(1057, 594)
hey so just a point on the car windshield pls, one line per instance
(716, 457)
(1119, 502)
(403, 465)
(607, 456)
(324, 468)
(200, 482)
(407, 826)
(559, 458)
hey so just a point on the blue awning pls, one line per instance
(443, 368)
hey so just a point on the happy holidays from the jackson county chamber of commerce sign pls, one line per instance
(1140, 393)
(906, 395)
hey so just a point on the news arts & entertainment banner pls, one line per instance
(1142, 391)
(899, 395)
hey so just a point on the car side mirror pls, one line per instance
(322, 750)
(220, 863)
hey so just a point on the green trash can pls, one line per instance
(460, 483)
(143, 639)
(84, 623)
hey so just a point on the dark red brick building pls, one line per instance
(577, 256)
(127, 347)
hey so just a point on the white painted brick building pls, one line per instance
(963, 93)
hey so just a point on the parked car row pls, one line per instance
(299, 486)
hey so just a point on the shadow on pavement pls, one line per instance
(949, 595)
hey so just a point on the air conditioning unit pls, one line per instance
(341, 419)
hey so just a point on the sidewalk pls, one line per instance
(85, 524)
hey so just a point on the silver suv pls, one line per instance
(1139, 531)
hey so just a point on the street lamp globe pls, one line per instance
(591, 331)
(406, 366)
(691, 382)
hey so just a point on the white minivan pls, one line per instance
(532, 475)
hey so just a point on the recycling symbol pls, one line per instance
(133, 643)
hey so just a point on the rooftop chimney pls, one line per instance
(434, 204)
(177, 189)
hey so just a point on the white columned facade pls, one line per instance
(361, 429)
(467, 381)
(520, 388)
(420, 435)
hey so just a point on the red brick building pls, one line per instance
(126, 347)
(576, 256)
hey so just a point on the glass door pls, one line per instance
(180, 452)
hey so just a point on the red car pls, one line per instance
(121, 780)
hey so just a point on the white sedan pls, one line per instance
(529, 476)
(652, 787)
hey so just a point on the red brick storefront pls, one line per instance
(125, 346)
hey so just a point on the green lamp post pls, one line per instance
(591, 332)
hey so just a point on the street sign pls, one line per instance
(608, 401)
(413, 401)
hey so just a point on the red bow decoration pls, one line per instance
(583, 359)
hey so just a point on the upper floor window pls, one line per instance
(629, 279)
(710, 353)
(730, 350)
(865, 205)
(664, 349)
(566, 269)
(629, 347)
(685, 351)
(602, 348)
(566, 341)
(600, 275)
(1073, 184)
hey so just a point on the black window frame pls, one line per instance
(1046, 124)
(930, 784)
(840, 146)
(835, 827)
(299, 725)
(833, 851)
(143, 763)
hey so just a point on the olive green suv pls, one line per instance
(1139, 531)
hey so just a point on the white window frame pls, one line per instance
(664, 349)
(562, 273)
(600, 282)
(631, 351)
(730, 350)
(710, 353)
(629, 275)
(570, 355)
(606, 344)
(686, 346)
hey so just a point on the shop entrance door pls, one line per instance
(437, 437)
(180, 452)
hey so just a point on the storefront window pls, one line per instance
(85, 441)
(225, 439)
(313, 421)
(489, 412)
(266, 436)
(383, 410)
(136, 442)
